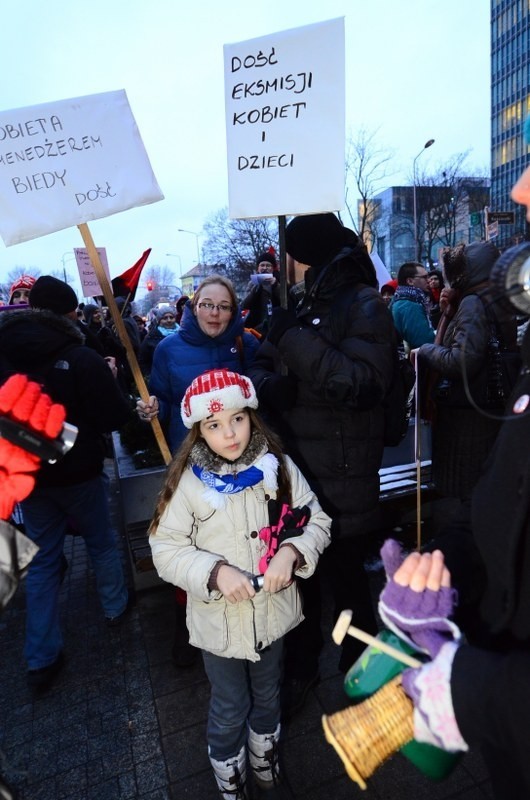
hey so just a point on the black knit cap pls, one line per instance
(53, 295)
(315, 238)
(266, 256)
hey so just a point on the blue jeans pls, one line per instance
(242, 692)
(46, 513)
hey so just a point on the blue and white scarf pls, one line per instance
(264, 469)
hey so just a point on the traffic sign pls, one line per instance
(502, 217)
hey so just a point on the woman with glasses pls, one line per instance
(211, 335)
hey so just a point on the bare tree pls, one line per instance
(367, 173)
(236, 243)
(444, 201)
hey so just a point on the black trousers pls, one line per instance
(341, 577)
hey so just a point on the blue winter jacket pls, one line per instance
(178, 359)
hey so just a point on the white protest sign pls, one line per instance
(87, 275)
(285, 122)
(69, 162)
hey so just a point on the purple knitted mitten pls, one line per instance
(420, 618)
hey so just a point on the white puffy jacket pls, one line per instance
(192, 537)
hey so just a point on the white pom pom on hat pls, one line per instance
(214, 391)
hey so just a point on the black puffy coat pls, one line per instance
(49, 348)
(462, 436)
(334, 431)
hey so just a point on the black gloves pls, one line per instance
(278, 392)
(281, 320)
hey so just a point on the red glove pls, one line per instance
(24, 401)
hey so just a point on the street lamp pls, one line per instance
(174, 255)
(183, 230)
(425, 146)
(64, 259)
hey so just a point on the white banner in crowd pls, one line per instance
(89, 283)
(68, 162)
(285, 122)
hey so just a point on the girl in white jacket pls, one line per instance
(214, 529)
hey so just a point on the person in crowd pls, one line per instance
(207, 536)
(388, 291)
(142, 330)
(436, 284)
(475, 692)
(164, 324)
(93, 317)
(410, 306)
(329, 412)
(263, 293)
(180, 305)
(20, 289)
(462, 436)
(47, 346)
(211, 336)
(130, 325)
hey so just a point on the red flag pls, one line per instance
(126, 284)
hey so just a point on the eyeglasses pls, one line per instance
(168, 317)
(425, 277)
(223, 308)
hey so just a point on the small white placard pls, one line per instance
(89, 283)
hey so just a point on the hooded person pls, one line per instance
(462, 436)
(329, 411)
(46, 345)
(263, 293)
(20, 289)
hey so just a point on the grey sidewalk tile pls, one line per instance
(186, 752)
(73, 780)
(151, 775)
(180, 708)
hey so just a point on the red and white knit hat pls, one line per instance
(214, 391)
(24, 282)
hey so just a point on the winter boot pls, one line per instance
(231, 776)
(263, 757)
(183, 654)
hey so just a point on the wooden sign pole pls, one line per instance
(124, 336)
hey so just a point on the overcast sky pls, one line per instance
(415, 70)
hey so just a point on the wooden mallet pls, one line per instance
(343, 627)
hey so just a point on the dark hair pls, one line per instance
(180, 461)
(408, 270)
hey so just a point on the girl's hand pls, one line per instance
(279, 573)
(234, 585)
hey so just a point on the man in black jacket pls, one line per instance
(329, 412)
(47, 347)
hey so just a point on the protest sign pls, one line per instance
(68, 162)
(87, 274)
(285, 120)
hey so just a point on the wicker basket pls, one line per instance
(365, 735)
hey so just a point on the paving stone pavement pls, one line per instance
(121, 722)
